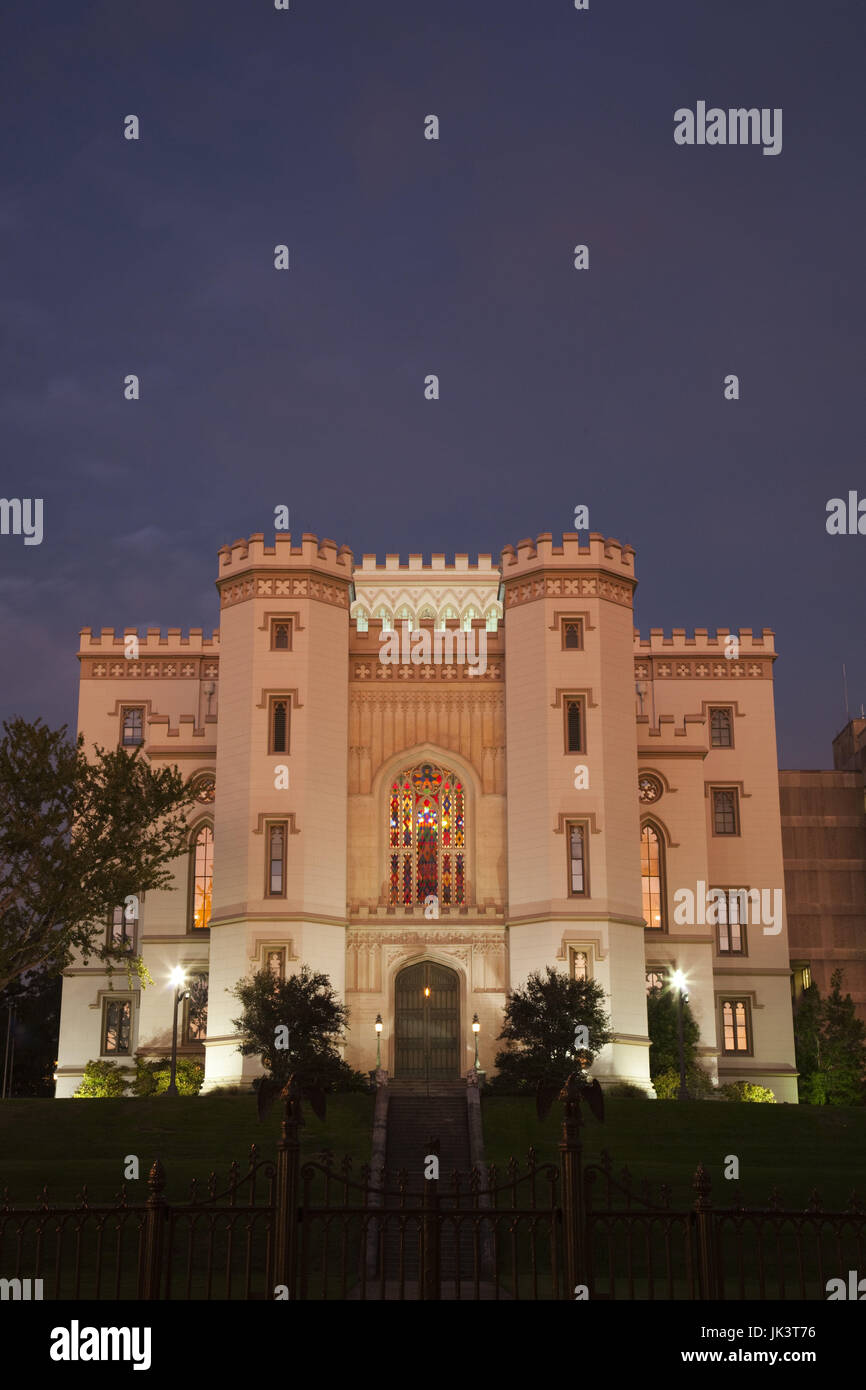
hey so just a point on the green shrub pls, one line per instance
(749, 1091)
(698, 1084)
(102, 1080)
(626, 1090)
(152, 1078)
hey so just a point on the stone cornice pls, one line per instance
(562, 585)
(288, 584)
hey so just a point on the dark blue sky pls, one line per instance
(409, 257)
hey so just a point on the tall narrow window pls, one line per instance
(202, 877)
(726, 819)
(275, 962)
(577, 887)
(281, 635)
(123, 927)
(277, 860)
(279, 722)
(427, 837)
(574, 726)
(132, 726)
(652, 878)
(572, 634)
(116, 1026)
(195, 1011)
(721, 728)
(729, 919)
(735, 1026)
(579, 965)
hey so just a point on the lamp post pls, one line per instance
(476, 1028)
(378, 1042)
(678, 980)
(178, 979)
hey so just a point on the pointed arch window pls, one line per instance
(427, 837)
(202, 877)
(361, 621)
(653, 877)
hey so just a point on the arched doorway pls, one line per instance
(427, 1023)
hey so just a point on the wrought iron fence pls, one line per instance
(321, 1230)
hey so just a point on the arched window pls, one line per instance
(652, 877)
(427, 836)
(385, 616)
(361, 622)
(202, 877)
(405, 616)
(492, 619)
(468, 618)
(448, 614)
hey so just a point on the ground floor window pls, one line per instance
(117, 1027)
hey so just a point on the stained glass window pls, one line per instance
(202, 880)
(427, 836)
(651, 877)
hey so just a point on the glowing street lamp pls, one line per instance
(476, 1028)
(379, 1026)
(678, 982)
(178, 981)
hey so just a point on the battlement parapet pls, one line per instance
(679, 640)
(372, 568)
(600, 552)
(312, 553)
(108, 639)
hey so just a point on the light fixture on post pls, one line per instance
(379, 1027)
(178, 980)
(678, 982)
(476, 1028)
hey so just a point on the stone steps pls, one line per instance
(413, 1121)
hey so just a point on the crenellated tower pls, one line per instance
(279, 889)
(574, 874)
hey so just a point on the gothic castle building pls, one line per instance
(428, 780)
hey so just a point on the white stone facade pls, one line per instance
(307, 733)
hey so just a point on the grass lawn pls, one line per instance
(793, 1147)
(66, 1143)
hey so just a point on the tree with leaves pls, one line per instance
(662, 1027)
(78, 836)
(541, 1021)
(294, 1025)
(830, 1045)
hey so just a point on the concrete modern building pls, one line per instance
(428, 780)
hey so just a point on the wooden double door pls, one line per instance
(427, 1023)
